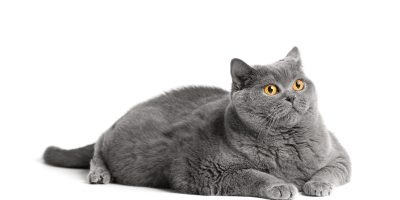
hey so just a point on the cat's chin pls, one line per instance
(291, 118)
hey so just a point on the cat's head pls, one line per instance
(274, 95)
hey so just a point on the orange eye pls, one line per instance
(271, 90)
(298, 85)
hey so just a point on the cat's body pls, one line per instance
(208, 141)
(149, 136)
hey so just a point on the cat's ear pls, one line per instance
(241, 74)
(294, 54)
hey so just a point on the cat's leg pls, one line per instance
(251, 182)
(245, 182)
(98, 174)
(334, 174)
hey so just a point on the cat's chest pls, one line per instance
(292, 158)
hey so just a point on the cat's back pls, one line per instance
(186, 99)
(164, 110)
(178, 103)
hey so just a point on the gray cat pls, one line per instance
(264, 139)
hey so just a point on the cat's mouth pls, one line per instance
(288, 112)
(299, 107)
(296, 109)
(292, 112)
(291, 109)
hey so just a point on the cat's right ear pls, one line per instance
(241, 74)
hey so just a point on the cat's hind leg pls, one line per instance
(99, 173)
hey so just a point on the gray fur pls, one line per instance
(203, 140)
(75, 158)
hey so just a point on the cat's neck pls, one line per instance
(238, 126)
(235, 124)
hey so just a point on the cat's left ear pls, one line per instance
(295, 55)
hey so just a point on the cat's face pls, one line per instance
(279, 94)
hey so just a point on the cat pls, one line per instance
(265, 138)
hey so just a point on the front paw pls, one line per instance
(316, 188)
(281, 191)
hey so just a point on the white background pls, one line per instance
(69, 69)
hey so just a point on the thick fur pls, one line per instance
(207, 141)
(74, 158)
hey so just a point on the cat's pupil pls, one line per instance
(297, 84)
(270, 90)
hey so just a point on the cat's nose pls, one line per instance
(290, 98)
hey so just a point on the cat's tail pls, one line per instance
(74, 158)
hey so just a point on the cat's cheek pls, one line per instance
(301, 106)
